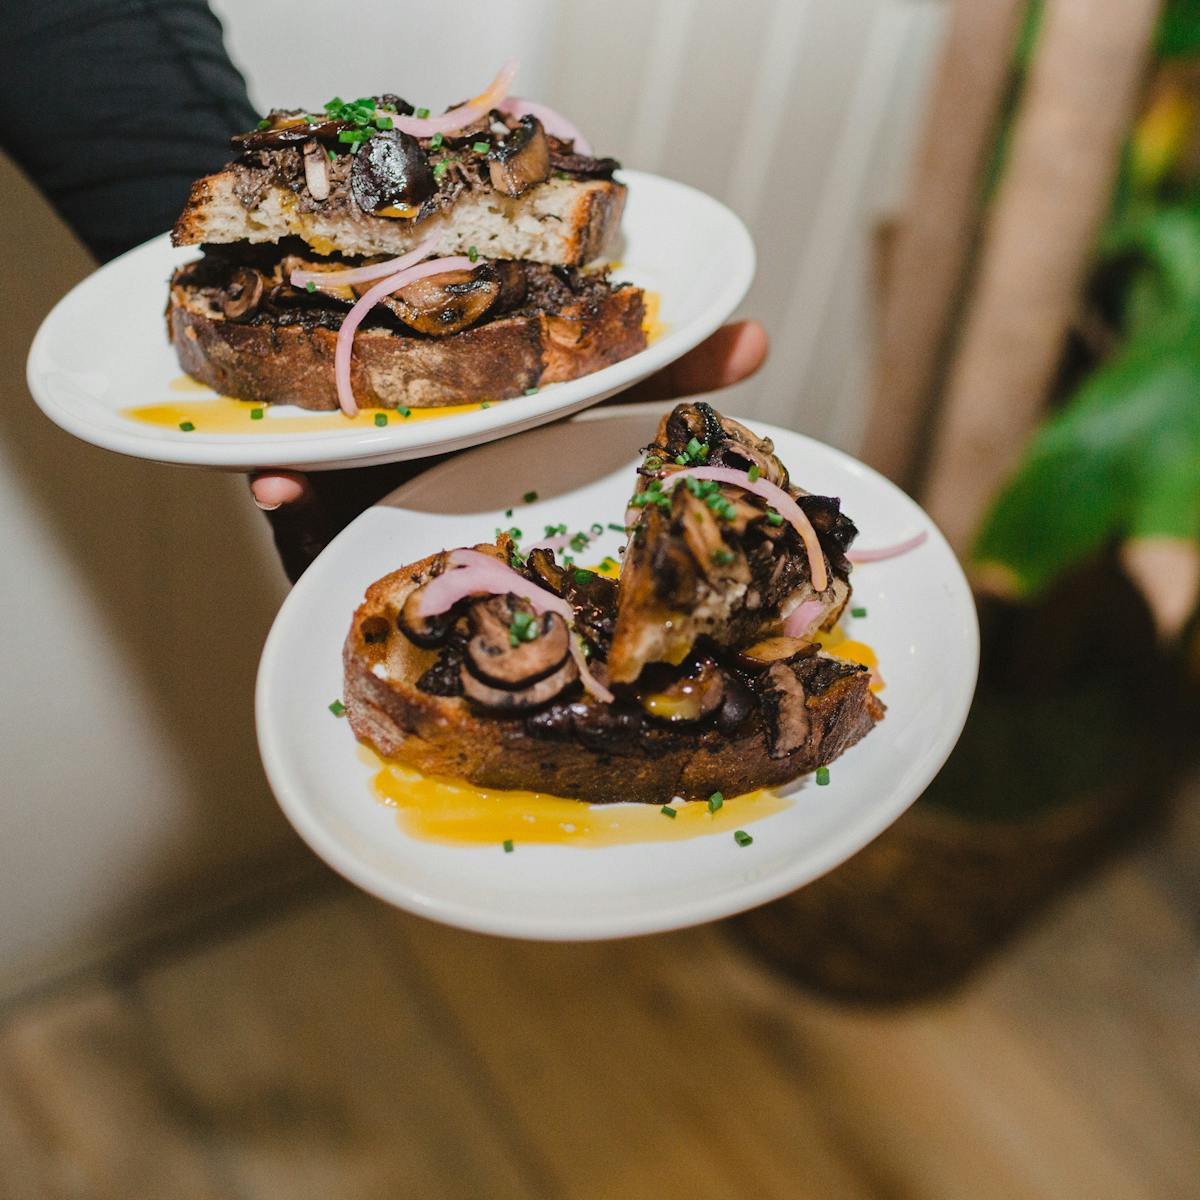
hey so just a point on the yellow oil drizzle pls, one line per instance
(652, 324)
(837, 645)
(454, 812)
(224, 414)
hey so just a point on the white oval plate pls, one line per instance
(103, 348)
(920, 619)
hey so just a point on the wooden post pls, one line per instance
(1056, 188)
(929, 253)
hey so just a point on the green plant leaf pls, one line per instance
(1122, 458)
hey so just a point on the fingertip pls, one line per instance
(274, 489)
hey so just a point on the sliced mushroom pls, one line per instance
(513, 284)
(492, 656)
(702, 531)
(521, 160)
(785, 711)
(744, 448)
(286, 130)
(242, 293)
(688, 697)
(771, 650)
(534, 696)
(582, 165)
(390, 168)
(442, 304)
(426, 631)
(316, 170)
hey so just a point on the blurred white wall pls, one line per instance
(134, 598)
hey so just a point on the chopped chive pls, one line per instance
(753, 474)
(653, 461)
(508, 846)
(524, 628)
(681, 460)
(858, 612)
(722, 557)
(773, 518)
(596, 528)
(264, 124)
(715, 801)
(439, 167)
(381, 419)
(473, 253)
(422, 113)
(582, 576)
(436, 141)
(531, 391)
(529, 497)
(508, 512)
(384, 122)
(403, 410)
(609, 563)
(822, 777)
(310, 286)
(186, 426)
(742, 837)
(617, 528)
(485, 404)
(481, 147)
(337, 708)
(668, 811)
(256, 414)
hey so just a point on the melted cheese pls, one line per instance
(454, 812)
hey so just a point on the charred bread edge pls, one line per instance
(446, 736)
(290, 364)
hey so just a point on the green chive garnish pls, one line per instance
(186, 426)
(668, 811)
(529, 497)
(436, 140)
(754, 474)
(742, 837)
(722, 557)
(485, 404)
(653, 461)
(508, 846)
(310, 286)
(531, 391)
(481, 147)
(337, 708)
(773, 518)
(508, 512)
(473, 253)
(582, 576)
(383, 122)
(681, 460)
(715, 801)
(617, 528)
(256, 414)
(264, 124)
(858, 612)
(422, 113)
(381, 419)
(822, 777)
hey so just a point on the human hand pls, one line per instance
(306, 511)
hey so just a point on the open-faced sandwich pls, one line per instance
(695, 672)
(374, 254)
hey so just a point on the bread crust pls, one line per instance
(293, 364)
(448, 736)
(567, 222)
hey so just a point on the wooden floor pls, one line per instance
(321, 1045)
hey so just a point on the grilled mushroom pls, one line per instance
(521, 160)
(426, 631)
(785, 711)
(771, 650)
(316, 169)
(534, 696)
(447, 303)
(287, 129)
(242, 293)
(511, 647)
(390, 168)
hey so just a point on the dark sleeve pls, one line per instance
(114, 108)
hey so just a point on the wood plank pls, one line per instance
(929, 255)
(632, 1067)
(319, 1070)
(1056, 188)
(86, 1112)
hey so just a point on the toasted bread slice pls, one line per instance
(562, 222)
(575, 747)
(278, 363)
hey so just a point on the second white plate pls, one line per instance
(103, 349)
(919, 617)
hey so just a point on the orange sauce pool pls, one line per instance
(457, 813)
(836, 644)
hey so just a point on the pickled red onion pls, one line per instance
(778, 499)
(475, 573)
(366, 302)
(364, 274)
(554, 123)
(799, 622)
(464, 114)
(882, 552)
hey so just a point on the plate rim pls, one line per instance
(848, 840)
(340, 449)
